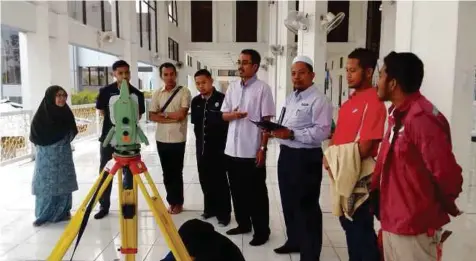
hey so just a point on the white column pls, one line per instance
(129, 32)
(313, 43)
(283, 62)
(59, 50)
(387, 29)
(446, 47)
(35, 60)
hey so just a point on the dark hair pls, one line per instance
(203, 72)
(255, 57)
(167, 65)
(119, 64)
(367, 58)
(406, 69)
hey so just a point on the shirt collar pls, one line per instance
(398, 112)
(302, 94)
(211, 96)
(249, 82)
(164, 90)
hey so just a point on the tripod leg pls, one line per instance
(74, 225)
(163, 219)
(128, 218)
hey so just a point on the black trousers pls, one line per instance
(105, 156)
(360, 234)
(214, 183)
(249, 195)
(300, 177)
(171, 159)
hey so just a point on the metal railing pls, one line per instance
(14, 136)
(15, 144)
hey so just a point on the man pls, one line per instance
(416, 173)
(210, 135)
(169, 108)
(361, 119)
(246, 100)
(121, 70)
(308, 120)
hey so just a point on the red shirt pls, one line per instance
(350, 119)
(421, 181)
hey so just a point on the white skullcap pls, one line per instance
(303, 59)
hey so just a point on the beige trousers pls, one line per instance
(410, 248)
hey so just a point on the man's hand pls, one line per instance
(234, 115)
(326, 167)
(260, 158)
(283, 134)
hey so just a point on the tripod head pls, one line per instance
(125, 135)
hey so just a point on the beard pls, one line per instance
(383, 93)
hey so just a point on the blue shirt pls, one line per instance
(309, 115)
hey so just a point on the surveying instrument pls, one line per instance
(125, 136)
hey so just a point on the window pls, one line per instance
(11, 72)
(341, 62)
(341, 33)
(95, 76)
(202, 21)
(118, 29)
(205, 67)
(246, 21)
(189, 61)
(172, 10)
(77, 10)
(374, 21)
(147, 19)
(199, 65)
(297, 9)
(173, 50)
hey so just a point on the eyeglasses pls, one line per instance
(243, 62)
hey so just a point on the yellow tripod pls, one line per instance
(130, 168)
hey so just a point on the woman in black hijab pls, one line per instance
(54, 179)
(203, 243)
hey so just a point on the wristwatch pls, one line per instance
(263, 148)
(291, 135)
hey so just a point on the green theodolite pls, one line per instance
(125, 135)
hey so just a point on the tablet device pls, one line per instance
(268, 125)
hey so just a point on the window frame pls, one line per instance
(173, 17)
(173, 49)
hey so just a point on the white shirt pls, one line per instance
(255, 98)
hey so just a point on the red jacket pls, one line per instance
(421, 180)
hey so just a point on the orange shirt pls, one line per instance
(350, 119)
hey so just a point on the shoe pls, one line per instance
(177, 209)
(238, 231)
(38, 223)
(259, 240)
(207, 215)
(286, 249)
(223, 222)
(101, 214)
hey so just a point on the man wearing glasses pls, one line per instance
(245, 100)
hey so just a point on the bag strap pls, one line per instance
(357, 137)
(170, 99)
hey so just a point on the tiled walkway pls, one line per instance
(19, 240)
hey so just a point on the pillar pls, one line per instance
(129, 32)
(284, 61)
(313, 43)
(449, 74)
(59, 49)
(35, 59)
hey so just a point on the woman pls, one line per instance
(203, 243)
(54, 179)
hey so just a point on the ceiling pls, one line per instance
(215, 59)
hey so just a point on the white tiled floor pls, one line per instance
(19, 240)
